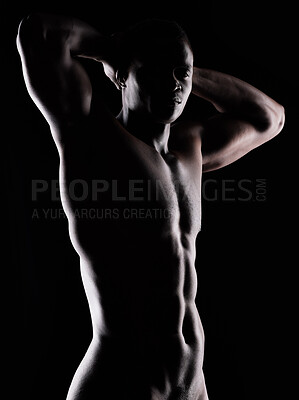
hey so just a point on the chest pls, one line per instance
(137, 185)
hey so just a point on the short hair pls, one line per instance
(139, 39)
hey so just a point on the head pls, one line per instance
(155, 74)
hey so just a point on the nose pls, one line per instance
(177, 85)
(168, 82)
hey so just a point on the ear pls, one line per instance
(121, 78)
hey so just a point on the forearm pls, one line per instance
(230, 94)
(61, 33)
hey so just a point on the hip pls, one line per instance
(150, 369)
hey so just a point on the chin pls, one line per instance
(167, 116)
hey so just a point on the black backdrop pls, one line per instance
(245, 259)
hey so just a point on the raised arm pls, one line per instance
(247, 117)
(49, 47)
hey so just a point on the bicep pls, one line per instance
(226, 138)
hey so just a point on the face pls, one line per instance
(160, 83)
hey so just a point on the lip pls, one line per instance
(174, 101)
(177, 100)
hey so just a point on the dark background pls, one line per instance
(245, 252)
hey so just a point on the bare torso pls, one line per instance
(134, 220)
(134, 211)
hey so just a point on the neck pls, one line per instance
(143, 127)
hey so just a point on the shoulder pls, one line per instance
(185, 137)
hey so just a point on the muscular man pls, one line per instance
(137, 258)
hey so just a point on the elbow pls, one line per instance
(25, 26)
(271, 120)
(276, 120)
(29, 31)
(281, 119)
(22, 33)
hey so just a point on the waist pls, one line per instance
(159, 327)
(144, 349)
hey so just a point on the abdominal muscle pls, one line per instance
(142, 348)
